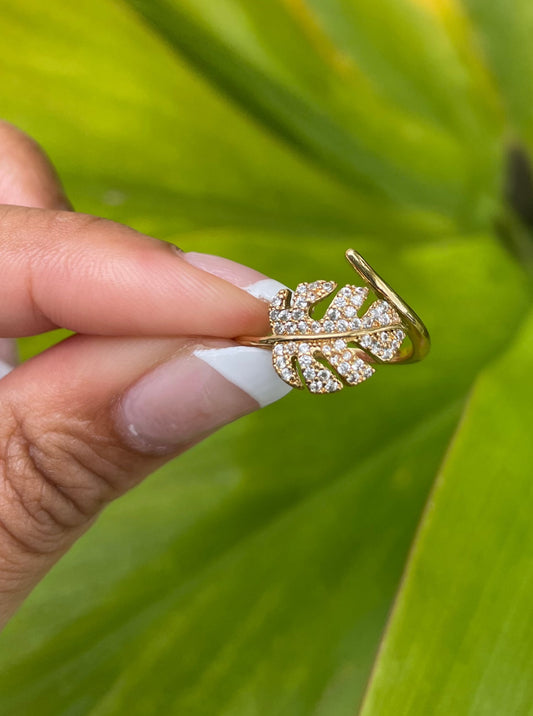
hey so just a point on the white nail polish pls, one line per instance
(265, 289)
(250, 369)
(5, 368)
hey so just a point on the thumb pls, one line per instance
(88, 419)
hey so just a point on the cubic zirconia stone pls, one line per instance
(286, 374)
(350, 311)
(278, 350)
(304, 347)
(344, 367)
(324, 374)
(339, 344)
(329, 326)
(309, 374)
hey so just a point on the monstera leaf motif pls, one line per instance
(338, 349)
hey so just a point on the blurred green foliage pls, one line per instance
(256, 574)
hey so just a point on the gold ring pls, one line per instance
(340, 348)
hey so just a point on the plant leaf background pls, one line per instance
(256, 574)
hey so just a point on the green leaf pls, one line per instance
(255, 574)
(461, 636)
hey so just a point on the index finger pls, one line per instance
(90, 275)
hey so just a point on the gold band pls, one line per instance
(419, 341)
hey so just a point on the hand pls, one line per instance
(89, 418)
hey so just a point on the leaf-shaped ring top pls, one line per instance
(339, 349)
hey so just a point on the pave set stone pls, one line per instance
(327, 364)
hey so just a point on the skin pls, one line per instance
(62, 456)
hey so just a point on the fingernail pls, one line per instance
(253, 282)
(5, 368)
(196, 392)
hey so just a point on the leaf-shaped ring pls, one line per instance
(339, 349)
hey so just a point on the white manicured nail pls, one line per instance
(5, 368)
(250, 369)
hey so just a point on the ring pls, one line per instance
(338, 350)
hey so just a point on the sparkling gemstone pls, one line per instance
(347, 355)
(365, 341)
(350, 311)
(296, 315)
(274, 315)
(355, 325)
(286, 374)
(291, 327)
(279, 328)
(342, 326)
(344, 367)
(305, 360)
(316, 327)
(278, 350)
(283, 315)
(332, 386)
(328, 286)
(300, 303)
(309, 374)
(302, 326)
(384, 320)
(329, 326)
(281, 362)
(324, 374)
(339, 345)
(304, 347)
(334, 314)
(326, 350)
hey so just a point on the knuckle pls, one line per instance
(54, 480)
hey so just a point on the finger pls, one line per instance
(61, 269)
(85, 421)
(27, 177)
